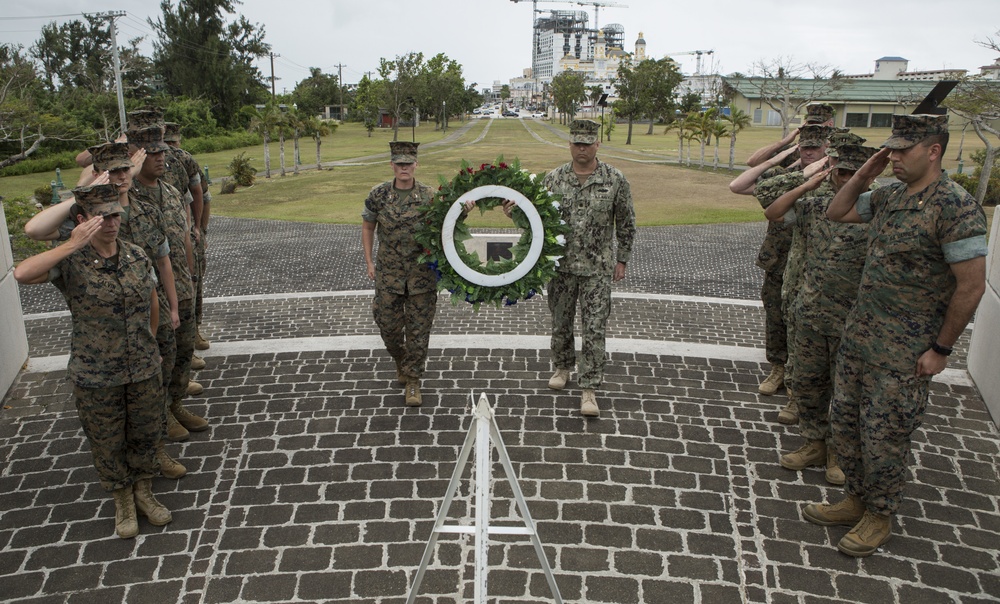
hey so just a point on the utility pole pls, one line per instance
(273, 95)
(340, 88)
(116, 62)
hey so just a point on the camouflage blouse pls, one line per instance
(397, 219)
(175, 223)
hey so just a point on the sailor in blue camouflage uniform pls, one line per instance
(405, 289)
(596, 203)
(924, 275)
(833, 256)
(108, 284)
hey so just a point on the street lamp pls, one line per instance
(444, 115)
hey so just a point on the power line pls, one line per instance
(41, 17)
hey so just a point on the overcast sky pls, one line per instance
(492, 38)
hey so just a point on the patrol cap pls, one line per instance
(98, 200)
(584, 132)
(908, 130)
(149, 138)
(143, 118)
(110, 156)
(814, 135)
(818, 113)
(852, 157)
(403, 152)
(172, 132)
(842, 138)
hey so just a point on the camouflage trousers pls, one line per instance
(184, 335)
(775, 334)
(815, 362)
(167, 342)
(594, 296)
(874, 413)
(123, 425)
(791, 326)
(200, 266)
(404, 322)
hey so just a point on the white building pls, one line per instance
(895, 68)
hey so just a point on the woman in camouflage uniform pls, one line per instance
(114, 362)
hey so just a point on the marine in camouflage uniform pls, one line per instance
(108, 284)
(149, 189)
(833, 255)
(596, 203)
(923, 277)
(780, 292)
(405, 289)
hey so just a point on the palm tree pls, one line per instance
(282, 126)
(294, 119)
(719, 129)
(738, 120)
(679, 125)
(264, 120)
(317, 129)
(705, 124)
(692, 126)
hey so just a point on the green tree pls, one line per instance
(199, 55)
(645, 89)
(317, 91)
(505, 92)
(316, 128)
(400, 86)
(22, 130)
(719, 129)
(568, 89)
(367, 103)
(266, 120)
(442, 88)
(738, 120)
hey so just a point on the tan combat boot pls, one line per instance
(559, 379)
(774, 381)
(588, 404)
(187, 419)
(789, 414)
(126, 524)
(197, 363)
(400, 376)
(148, 506)
(845, 513)
(872, 531)
(201, 343)
(169, 467)
(175, 431)
(813, 453)
(834, 475)
(412, 393)
(194, 388)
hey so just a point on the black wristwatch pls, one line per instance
(941, 350)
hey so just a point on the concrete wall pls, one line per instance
(984, 351)
(13, 340)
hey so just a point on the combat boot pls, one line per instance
(400, 376)
(559, 379)
(862, 540)
(789, 415)
(197, 363)
(412, 393)
(175, 431)
(194, 388)
(126, 524)
(148, 506)
(187, 419)
(834, 475)
(845, 513)
(588, 403)
(201, 343)
(774, 381)
(813, 453)
(169, 467)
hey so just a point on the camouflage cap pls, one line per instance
(843, 138)
(818, 113)
(172, 132)
(149, 138)
(908, 130)
(403, 152)
(110, 156)
(584, 132)
(144, 118)
(98, 200)
(852, 157)
(814, 135)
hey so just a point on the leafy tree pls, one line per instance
(366, 103)
(738, 120)
(316, 128)
(645, 89)
(690, 103)
(200, 55)
(21, 122)
(317, 91)
(568, 89)
(594, 94)
(400, 86)
(786, 86)
(505, 92)
(442, 86)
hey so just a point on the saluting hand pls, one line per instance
(874, 166)
(815, 167)
(816, 179)
(85, 231)
(137, 160)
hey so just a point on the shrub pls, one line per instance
(49, 163)
(970, 181)
(242, 172)
(228, 187)
(18, 211)
(220, 142)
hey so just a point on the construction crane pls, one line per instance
(534, 30)
(597, 7)
(699, 54)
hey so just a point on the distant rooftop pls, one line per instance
(892, 59)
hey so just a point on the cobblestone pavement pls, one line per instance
(315, 483)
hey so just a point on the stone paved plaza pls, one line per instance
(315, 483)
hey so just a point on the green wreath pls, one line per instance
(549, 223)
